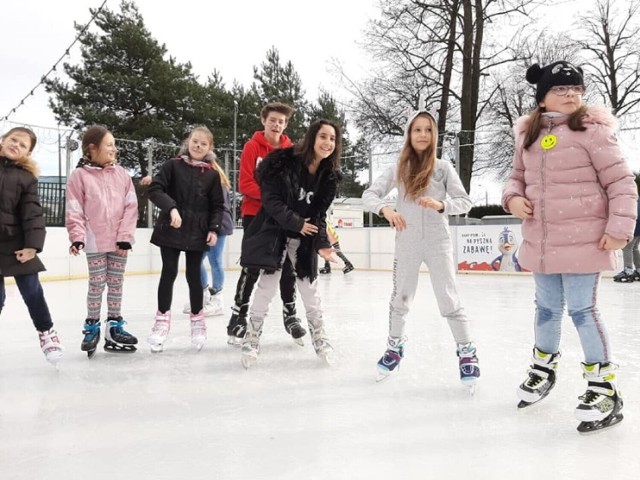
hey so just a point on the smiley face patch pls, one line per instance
(549, 141)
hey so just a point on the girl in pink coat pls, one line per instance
(577, 198)
(101, 216)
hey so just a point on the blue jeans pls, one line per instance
(580, 292)
(33, 296)
(214, 254)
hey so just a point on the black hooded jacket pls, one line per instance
(281, 176)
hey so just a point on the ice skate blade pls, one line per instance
(119, 348)
(383, 374)
(248, 361)
(587, 428)
(234, 341)
(298, 341)
(471, 386)
(90, 353)
(156, 348)
(328, 358)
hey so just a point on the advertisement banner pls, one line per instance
(490, 248)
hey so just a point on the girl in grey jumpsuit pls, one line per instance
(422, 235)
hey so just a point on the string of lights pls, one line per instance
(55, 65)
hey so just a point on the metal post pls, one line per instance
(370, 183)
(150, 172)
(235, 170)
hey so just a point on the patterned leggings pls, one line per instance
(105, 269)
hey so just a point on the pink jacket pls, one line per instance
(580, 189)
(102, 208)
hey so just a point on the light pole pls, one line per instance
(235, 171)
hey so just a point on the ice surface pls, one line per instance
(187, 415)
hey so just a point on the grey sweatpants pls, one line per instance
(630, 254)
(268, 285)
(433, 247)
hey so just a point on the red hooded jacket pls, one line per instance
(253, 152)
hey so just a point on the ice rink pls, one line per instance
(182, 414)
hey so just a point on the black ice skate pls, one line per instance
(292, 324)
(625, 276)
(326, 269)
(116, 338)
(91, 332)
(348, 268)
(541, 378)
(237, 325)
(601, 405)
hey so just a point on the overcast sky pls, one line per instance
(231, 36)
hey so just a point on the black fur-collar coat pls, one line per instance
(280, 177)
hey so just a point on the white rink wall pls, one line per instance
(366, 248)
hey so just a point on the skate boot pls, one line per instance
(91, 332)
(206, 299)
(237, 325)
(216, 303)
(198, 330)
(636, 275)
(541, 378)
(601, 405)
(50, 346)
(159, 331)
(348, 267)
(321, 344)
(625, 276)
(469, 368)
(326, 269)
(292, 323)
(250, 347)
(116, 338)
(390, 361)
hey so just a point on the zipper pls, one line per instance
(542, 202)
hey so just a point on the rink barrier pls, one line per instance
(367, 248)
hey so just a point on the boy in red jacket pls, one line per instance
(274, 118)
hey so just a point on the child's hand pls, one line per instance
(146, 180)
(520, 207)
(308, 228)
(329, 254)
(212, 239)
(75, 248)
(428, 202)
(25, 254)
(607, 242)
(176, 219)
(395, 219)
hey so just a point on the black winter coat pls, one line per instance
(280, 176)
(197, 194)
(21, 221)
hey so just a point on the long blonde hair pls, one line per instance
(415, 169)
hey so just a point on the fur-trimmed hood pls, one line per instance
(596, 115)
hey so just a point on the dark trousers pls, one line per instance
(170, 258)
(33, 296)
(249, 277)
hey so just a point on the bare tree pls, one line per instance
(612, 42)
(435, 49)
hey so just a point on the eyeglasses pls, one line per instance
(562, 90)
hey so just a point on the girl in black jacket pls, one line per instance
(297, 185)
(22, 233)
(189, 194)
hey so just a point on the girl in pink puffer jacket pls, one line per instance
(576, 196)
(101, 217)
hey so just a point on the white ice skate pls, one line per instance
(541, 378)
(50, 346)
(215, 305)
(207, 307)
(250, 349)
(159, 332)
(198, 330)
(321, 345)
(389, 363)
(601, 405)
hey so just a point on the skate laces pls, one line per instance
(49, 341)
(162, 323)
